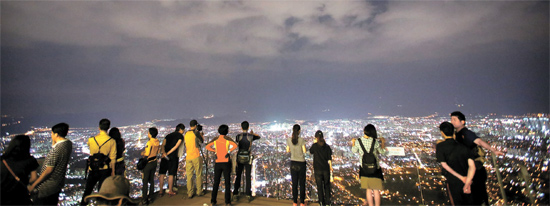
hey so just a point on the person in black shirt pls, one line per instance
(458, 166)
(120, 147)
(322, 167)
(17, 157)
(169, 161)
(474, 143)
(244, 142)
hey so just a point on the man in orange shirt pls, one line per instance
(193, 162)
(222, 146)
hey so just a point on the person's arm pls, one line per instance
(470, 176)
(304, 149)
(453, 172)
(112, 156)
(255, 136)
(233, 146)
(354, 148)
(34, 176)
(174, 148)
(42, 177)
(287, 149)
(484, 144)
(209, 146)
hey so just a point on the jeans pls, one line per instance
(219, 169)
(322, 178)
(298, 174)
(148, 178)
(95, 177)
(248, 178)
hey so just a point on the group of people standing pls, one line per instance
(461, 156)
(20, 180)
(192, 140)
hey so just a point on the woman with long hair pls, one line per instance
(120, 147)
(297, 148)
(371, 178)
(150, 151)
(322, 167)
(17, 159)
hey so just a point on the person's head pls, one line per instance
(245, 125)
(295, 134)
(104, 124)
(153, 132)
(370, 131)
(180, 128)
(223, 129)
(447, 129)
(113, 191)
(320, 138)
(458, 119)
(115, 134)
(61, 129)
(18, 148)
(193, 123)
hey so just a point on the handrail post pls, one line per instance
(499, 178)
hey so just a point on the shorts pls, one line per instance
(170, 166)
(372, 183)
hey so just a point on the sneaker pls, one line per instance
(200, 194)
(234, 198)
(144, 202)
(250, 198)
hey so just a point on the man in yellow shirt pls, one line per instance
(105, 145)
(193, 162)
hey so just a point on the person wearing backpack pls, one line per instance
(370, 171)
(101, 163)
(222, 146)
(244, 160)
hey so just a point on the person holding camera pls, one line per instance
(193, 162)
(222, 146)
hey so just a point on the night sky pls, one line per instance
(132, 62)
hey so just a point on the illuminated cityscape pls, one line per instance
(411, 179)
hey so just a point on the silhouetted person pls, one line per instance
(52, 175)
(150, 151)
(16, 167)
(458, 166)
(169, 161)
(297, 148)
(322, 167)
(222, 146)
(120, 167)
(473, 142)
(244, 141)
(371, 175)
(103, 156)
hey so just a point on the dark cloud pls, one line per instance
(310, 59)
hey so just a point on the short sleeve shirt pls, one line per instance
(58, 158)
(321, 156)
(455, 155)
(244, 140)
(466, 137)
(170, 142)
(296, 152)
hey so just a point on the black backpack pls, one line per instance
(243, 156)
(98, 160)
(369, 165)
